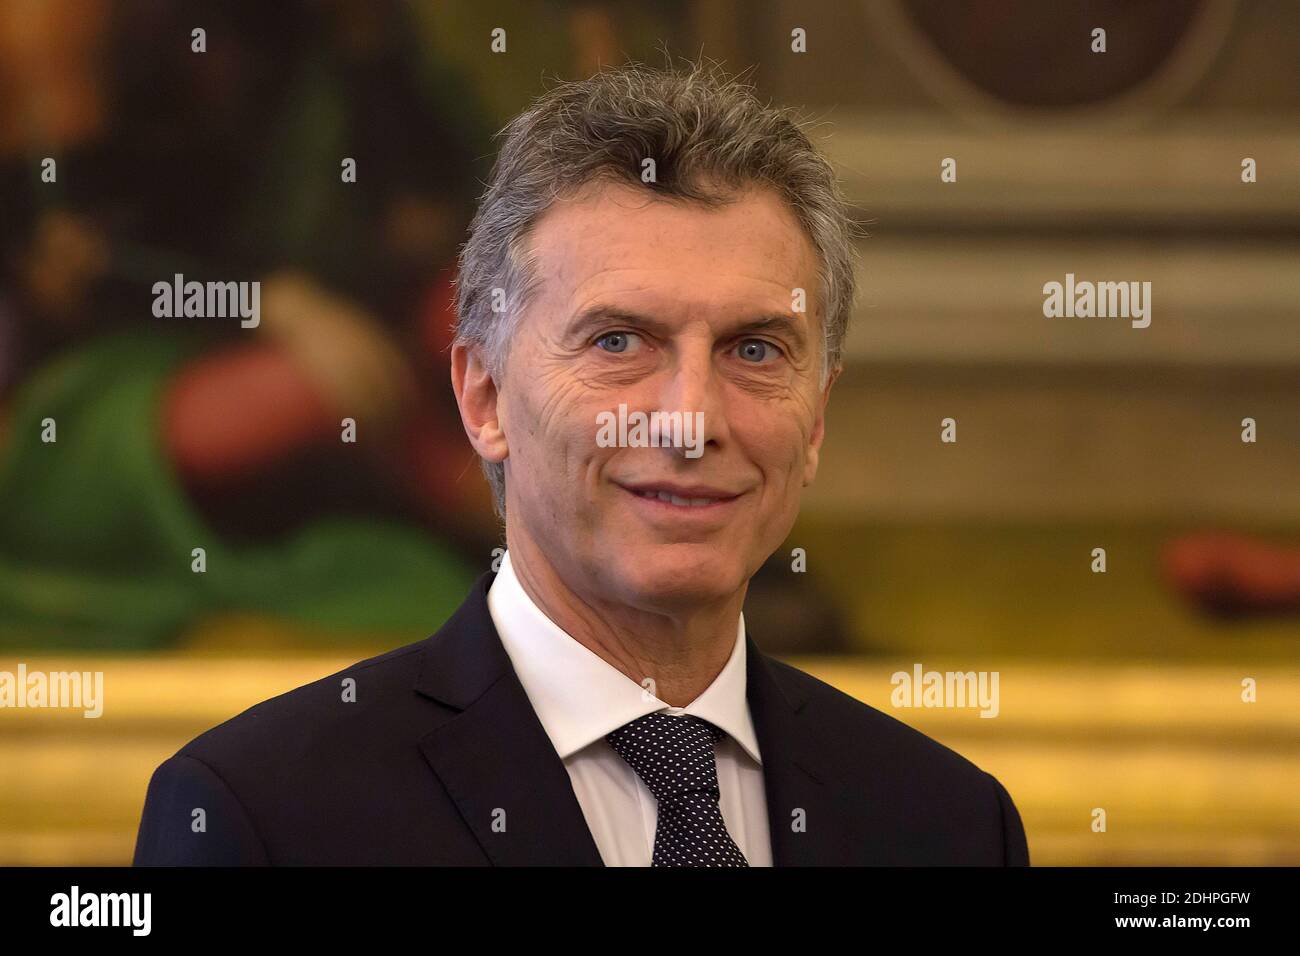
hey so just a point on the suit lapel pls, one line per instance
(805, 827)
(491, 752)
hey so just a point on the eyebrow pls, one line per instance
(588, 320)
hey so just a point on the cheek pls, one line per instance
(779, 449)
(542, 423)
(561, 457)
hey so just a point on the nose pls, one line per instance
(692, 386)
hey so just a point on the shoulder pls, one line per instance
(306, 776)
(869, 738)
(907, 798)
(328, 717)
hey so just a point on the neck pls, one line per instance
(682, 651)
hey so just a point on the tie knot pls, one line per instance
(672, 754)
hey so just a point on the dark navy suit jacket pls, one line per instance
(441, 760)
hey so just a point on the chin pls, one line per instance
(676, 575)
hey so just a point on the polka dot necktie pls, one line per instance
(673, 755)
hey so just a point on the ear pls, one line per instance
(476, 395)
(819, 429)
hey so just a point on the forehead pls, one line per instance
(617, 238)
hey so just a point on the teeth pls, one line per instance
(677, 500)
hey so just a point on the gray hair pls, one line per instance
(709, 137)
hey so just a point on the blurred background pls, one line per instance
(1124, 688)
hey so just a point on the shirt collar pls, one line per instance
(580, 698)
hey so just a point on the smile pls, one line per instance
(676, 500)
(682, 498)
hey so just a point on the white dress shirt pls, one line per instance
(580, 698)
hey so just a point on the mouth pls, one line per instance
(685, 497)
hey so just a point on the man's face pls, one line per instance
(664, 307)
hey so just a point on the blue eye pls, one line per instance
(616, 341)
(755, 350)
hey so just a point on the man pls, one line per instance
(650, 242)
